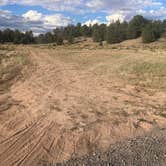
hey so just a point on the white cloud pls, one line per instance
(115, 17)
(154, 14)
(32, 15)
(122, 5)
(33, 20)
(126, 9)
(56, 5)
(92, 22)
(95, 4)
(47, 21)
(56, 20)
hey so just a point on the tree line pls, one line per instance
(116, 32)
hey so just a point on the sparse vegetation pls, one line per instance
(149, 74)
(10, 68)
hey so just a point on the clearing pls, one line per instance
(60, 102)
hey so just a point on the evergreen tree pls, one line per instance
(58, 36)
(96, 33)
(70, 38)
(116, 32)
(49, 38)
(77, 31)
(86, 31)
(148, 34)
(17, 37)
(136, 26)
(99, 32)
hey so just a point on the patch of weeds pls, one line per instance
(9, 73)
(157, 69)
(10, 69)
(22, 60)
(7, 47)
(161, 111)
(146, 74)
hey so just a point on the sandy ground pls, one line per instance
(65, 108)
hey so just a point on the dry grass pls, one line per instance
(11, 65)
(144, 68)
(7, 47)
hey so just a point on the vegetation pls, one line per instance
(136, 26)
(11, 69)
(117, 32)
(152, 31)
(16, 37)
(114, 33)
(148, 34)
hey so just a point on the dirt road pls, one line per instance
(63, 109)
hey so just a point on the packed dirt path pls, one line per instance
(61, 110)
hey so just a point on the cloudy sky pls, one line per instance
(44, 15)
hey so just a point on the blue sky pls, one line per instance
(44, 15)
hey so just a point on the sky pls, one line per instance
(42, 16)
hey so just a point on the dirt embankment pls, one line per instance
(74, 102)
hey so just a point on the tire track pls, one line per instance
(45, 131)
(23, 150)
(22, 131)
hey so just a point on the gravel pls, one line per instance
(149, 150)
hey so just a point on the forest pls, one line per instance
(116, 32)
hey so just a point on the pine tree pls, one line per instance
(136, 26)
(116, 32)
(152, 32)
